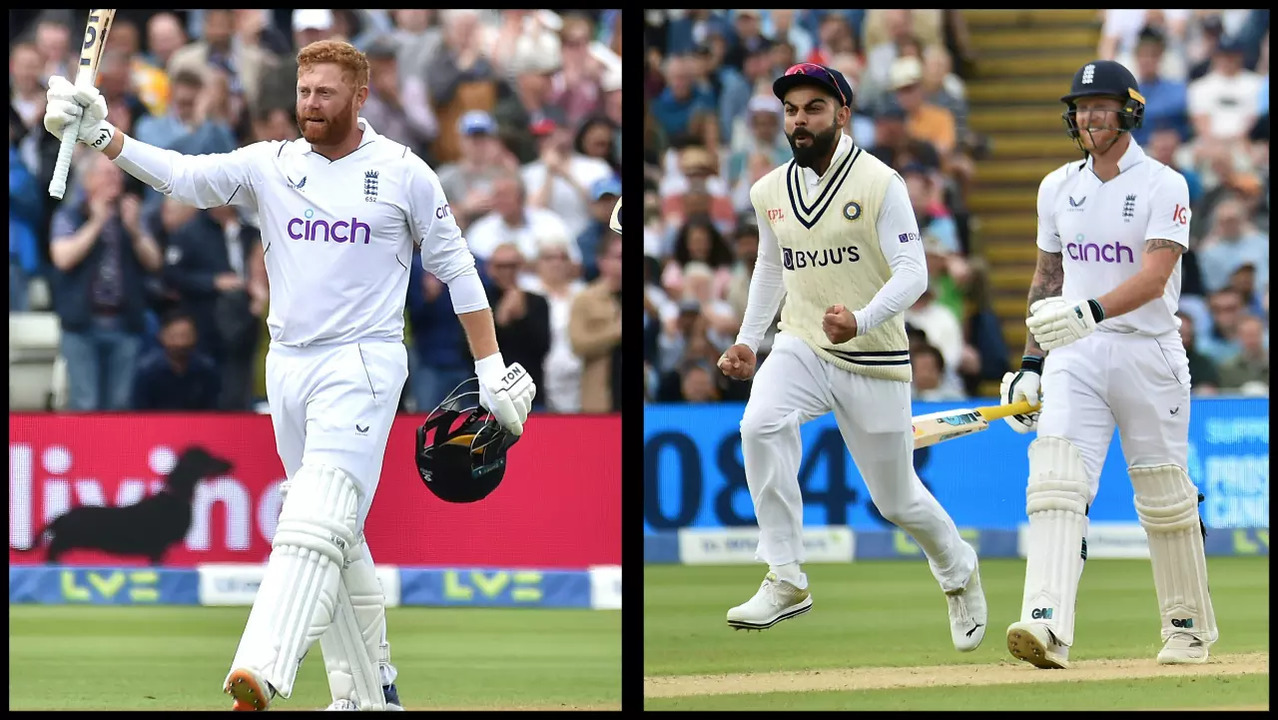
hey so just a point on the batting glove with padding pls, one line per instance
(67, 103)
(506, 392)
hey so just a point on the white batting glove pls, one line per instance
(506, 392)
(68, 102)
(1023, 385)
(1056, 324)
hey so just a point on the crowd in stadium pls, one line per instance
(162, 306)
(713, 126)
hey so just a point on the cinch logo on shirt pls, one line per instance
(338, 232)
(1109, 253)
(818, 258)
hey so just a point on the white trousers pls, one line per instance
(1135, 382)
(794, 386)
(334, 405)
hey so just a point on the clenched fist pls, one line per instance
(738, 362)
(68, 104)
(839, 324)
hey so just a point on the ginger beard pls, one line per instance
(325, 121)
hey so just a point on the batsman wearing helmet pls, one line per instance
(839, 241)
(1104, 351)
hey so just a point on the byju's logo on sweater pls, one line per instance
(802, 259)
(342, 231)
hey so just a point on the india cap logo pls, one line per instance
(852, 211)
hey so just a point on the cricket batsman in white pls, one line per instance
(839, 241)
(1104, 339)
(341, 210)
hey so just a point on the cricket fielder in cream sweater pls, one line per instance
(838, 239)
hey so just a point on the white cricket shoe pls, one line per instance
(344, 705)
(775, 601)
(968, 613)
(1036, 644)
(1183, 649)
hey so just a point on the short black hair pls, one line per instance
(176, 315)
(931, 350)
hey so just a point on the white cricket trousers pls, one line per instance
(334, 405)
(1138, 383)
(794, 386)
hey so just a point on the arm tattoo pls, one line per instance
(1049, 278)
(1161, 244)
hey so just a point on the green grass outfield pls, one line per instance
(876, 615)
(175, 658)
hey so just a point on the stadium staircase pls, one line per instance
(1026, 59)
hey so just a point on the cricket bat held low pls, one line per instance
(938, 427)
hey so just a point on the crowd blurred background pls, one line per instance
(712, 127)
(158, 306)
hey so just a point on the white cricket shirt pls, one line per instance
(1100, 230)
(338, 235)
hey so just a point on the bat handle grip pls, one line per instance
(58, 185)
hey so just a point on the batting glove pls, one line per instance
(506, 392)
(1023, 385)
(1056, 324)
(69, 104)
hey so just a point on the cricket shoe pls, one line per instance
(388, 691)
(1036, 644)
(775, 601)
(1183, 649)
(968, 613)
(250, 690)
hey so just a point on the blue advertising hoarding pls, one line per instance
(694, 476)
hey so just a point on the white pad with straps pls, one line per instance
(296, 601)
(354, 647)
(1167, 504)
(1056, 501)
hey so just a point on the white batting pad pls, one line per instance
(353, 647)
(295, 603)
(1167, 503)
(1056, 502)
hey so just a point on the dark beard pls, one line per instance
(822, 145)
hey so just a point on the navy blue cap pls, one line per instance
(606, 186)
(828, 79)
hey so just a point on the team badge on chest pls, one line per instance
(852, 211)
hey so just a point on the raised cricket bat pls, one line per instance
(938, 427)
(95, 35)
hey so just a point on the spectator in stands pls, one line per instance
(985, 352)
(947, 269)
(1204, 378)
(697, 190)
(1251, 364)
(761, 134)
(561, 178)
(943, 331)
(1163, 144)
(150, 82)
(746, 246)
(605, 192)
(894, 145)
(599, 137)
(879, 60)
(275, 123)
(943, 89)
(529, 105)
(438, 358)
(522, 318)
(405, 120)
(468, 183)
(1231, 242)
(576, 84)
(25, 212)
(197, 268)
(246, 65)
(176, 377)
(26, 84)
(279, 81)
(1243, 280)
(1166, 99)
(698, 383)
(698, 241)
(239, 312)
(680, 102)
(834, 37)
(460, 79)
(101, 252)
(924, 120)
(116, 85)
(53, 40)
(594, 326)
(513, 220)
(557, 282)
(1221, 343)
(1223, 104)
(928, 383)
(1124, 31)
(722, 323)
(861, 124)
(193, 111)
(164, 37)
(737, 97)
